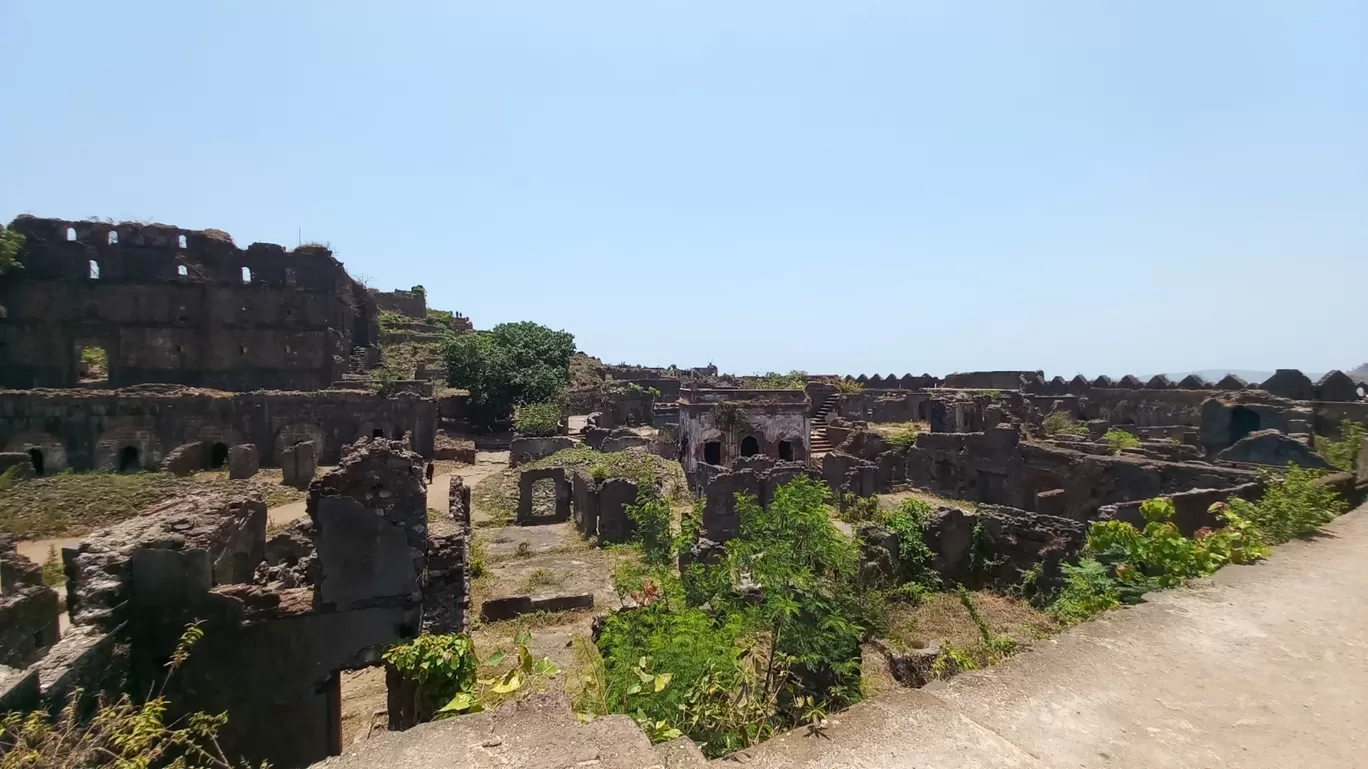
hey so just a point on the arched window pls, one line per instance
(246, 275)
(112, 238)
(93, 269)
(182, 271)
(71, 233)
(181, 241)
(749, 446)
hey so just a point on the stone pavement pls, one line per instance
(1258, 666)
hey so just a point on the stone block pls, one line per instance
(497, 609)
(243, 461)
(458, 501)
(614, 495)
(1271, 447)
(186, 459)
(19, 690)
(563, 602)
(298, 463)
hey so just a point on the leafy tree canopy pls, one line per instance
(510, 365)
(11, 243)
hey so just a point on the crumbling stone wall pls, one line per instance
(174, 305)
(411, 304)
(756, 476)
(995, 467)
(600, 507)
(94, 429)
(28, 608)
(523, 449)
(527, 480)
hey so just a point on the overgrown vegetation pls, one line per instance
(122, 734)
(70, 504)
(1343, 453)
(446, 669)
(733, 674)
(1117, 440)
(510, 365)
(96, 362)
(54, 575)
(1122, 563)
(1062, 423)
(849, 386)
(773, 380)
(650, 517)
(538, 419)
(11, 243)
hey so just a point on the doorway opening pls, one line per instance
(1243, 421)
(712, 453)
(786, 451)
(749, 446)
(128, 460)
(36, 459)
(218, 456)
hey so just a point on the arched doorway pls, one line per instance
(1243, 421)
(36, 458)
(749, 446)
(712, 453)
(786, 451)
(128, 460)
(218, 456)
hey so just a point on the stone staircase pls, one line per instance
(820, 442)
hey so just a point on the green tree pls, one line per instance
(11, 243)
(510, 365)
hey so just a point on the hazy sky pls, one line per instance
(849, 186)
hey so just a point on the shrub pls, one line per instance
(1088, 591)
(1343, 453)
(121, 734)
(849, 386)
(11, 243)
(737, 672)
(908, 521)
(1061, 423)
(511, 364)
(793, 380)
(1290, 507)
(538, 419)
(1120, 439)
(445, 668)
(651, 524)
(54, 575)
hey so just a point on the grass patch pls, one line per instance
(540, 579)
(946, 618)
(72, 504)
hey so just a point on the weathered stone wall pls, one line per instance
(524, 449)
(774, 423)
(174, 305)
(28, 608)
(995, 467)
(412, 304)
(94, 429)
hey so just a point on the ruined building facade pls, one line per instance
(178, 306)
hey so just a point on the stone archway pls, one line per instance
(111, 450)
(51, 451)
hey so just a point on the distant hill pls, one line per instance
(1359, 374)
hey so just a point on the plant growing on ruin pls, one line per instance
(53, 573)
(1120, 439)
(908, 522)
(996, 646)
(1343, 453)
(119, 734)
(849, 386)
(11, 243)
(1088, 591)
(1290, 507)
(538, 419)
(446, 668)
(1062, 423)
(773, 380)
(650, 517)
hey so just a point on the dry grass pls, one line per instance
(888, 429)
(891, 501)
(943, 618)
(72, 504)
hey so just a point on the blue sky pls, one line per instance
(836, 187)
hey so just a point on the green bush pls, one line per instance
(651, 524)
(733, 674)
(1120, 439)
(446, 670)
(1088, 591)
(793, 380)
(1290, 507)
(11, 243)
(1060, 423)
(849, 386)
(512, 364)
(1343, 453)
(908, 521)
(538, 419)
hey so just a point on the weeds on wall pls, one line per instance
(650, 517)
(1061, 423)
(1122, 563)
(1343, 454)
(1117, 440)
(446, 671)
(849, 386)
(122, 733)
